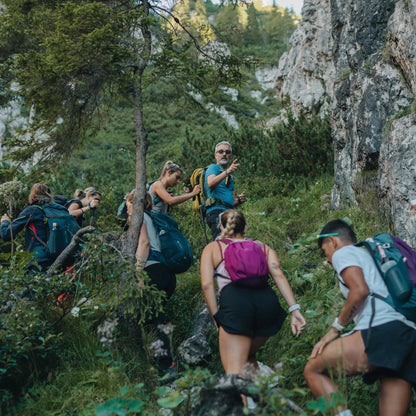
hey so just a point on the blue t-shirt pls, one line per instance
(222, 191)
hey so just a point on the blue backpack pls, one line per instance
(176, 253)
(61, 229)
(396, 262)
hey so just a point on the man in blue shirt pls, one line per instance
(220, 186)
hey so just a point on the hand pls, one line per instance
(242, 198)
(234, 166)
(5, 217)
(94, 203)
(298, 322)
(324, 341)
(196, 190)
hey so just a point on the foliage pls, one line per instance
(12, 195)
(72, 60)
(92, 373)
(36, 310)
(298, 147)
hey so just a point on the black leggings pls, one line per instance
(165, 281)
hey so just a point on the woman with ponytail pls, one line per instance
(171, 176)
(245, 316)
(84, 201)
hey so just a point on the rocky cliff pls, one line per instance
(356, 60)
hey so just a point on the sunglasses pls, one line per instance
(221, 152)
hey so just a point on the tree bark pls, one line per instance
(143, 56)
(64, 257)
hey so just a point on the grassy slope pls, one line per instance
(286, 222)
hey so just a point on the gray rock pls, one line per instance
(356, 61)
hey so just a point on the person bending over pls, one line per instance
(382, 344)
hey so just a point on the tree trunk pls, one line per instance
(143, 57)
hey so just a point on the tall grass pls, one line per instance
(89, 374)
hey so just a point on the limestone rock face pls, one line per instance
(356, 60)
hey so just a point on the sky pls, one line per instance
(296, 5)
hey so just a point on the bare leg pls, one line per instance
(256, 343)
(395, 395)
(344, 355)
(234, 351)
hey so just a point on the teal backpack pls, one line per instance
(61, 229)
(396, 262)
(176, 253)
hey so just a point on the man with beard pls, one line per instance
(220, 186)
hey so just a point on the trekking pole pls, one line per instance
(203, 224)
(92, 216)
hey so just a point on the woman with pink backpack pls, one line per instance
(248, 311)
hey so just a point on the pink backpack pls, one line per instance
(245, 262)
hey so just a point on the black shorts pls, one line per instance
(391, 348)
(249, 311)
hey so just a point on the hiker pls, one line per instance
(220, 186)
(33, 220)
(171, 175)
(382, 344)
(246, 315)
(157, 272)
(86, 200)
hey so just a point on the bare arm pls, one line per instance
(358, 292)
(143, 247)
(159, 190)
(207, 278)
(297, 320)
(76, 211)
(213, 180)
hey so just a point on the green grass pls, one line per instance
(89, 374)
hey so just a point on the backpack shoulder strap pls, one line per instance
(219, 245)
(32, 228)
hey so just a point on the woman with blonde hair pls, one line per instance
(84, 201)
(171, 176)
(32, 218)
(247, 313)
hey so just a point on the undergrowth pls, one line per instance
(91, 376)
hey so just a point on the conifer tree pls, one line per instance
(70, 61)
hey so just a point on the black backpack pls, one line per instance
(61, 229)
(60, 199)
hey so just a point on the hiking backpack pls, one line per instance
(61, 229)
(122, 208)
(60, 199)
(198, 202)
(245, 262)
(176, 253)
(396, 262)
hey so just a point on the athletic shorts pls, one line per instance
(391, 348)
(249, 311)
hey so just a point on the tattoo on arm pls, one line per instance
(351, 314)
(276, 266)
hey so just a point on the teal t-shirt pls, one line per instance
(222, 191)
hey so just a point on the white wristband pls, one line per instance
(337, 325)
(294, 307)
